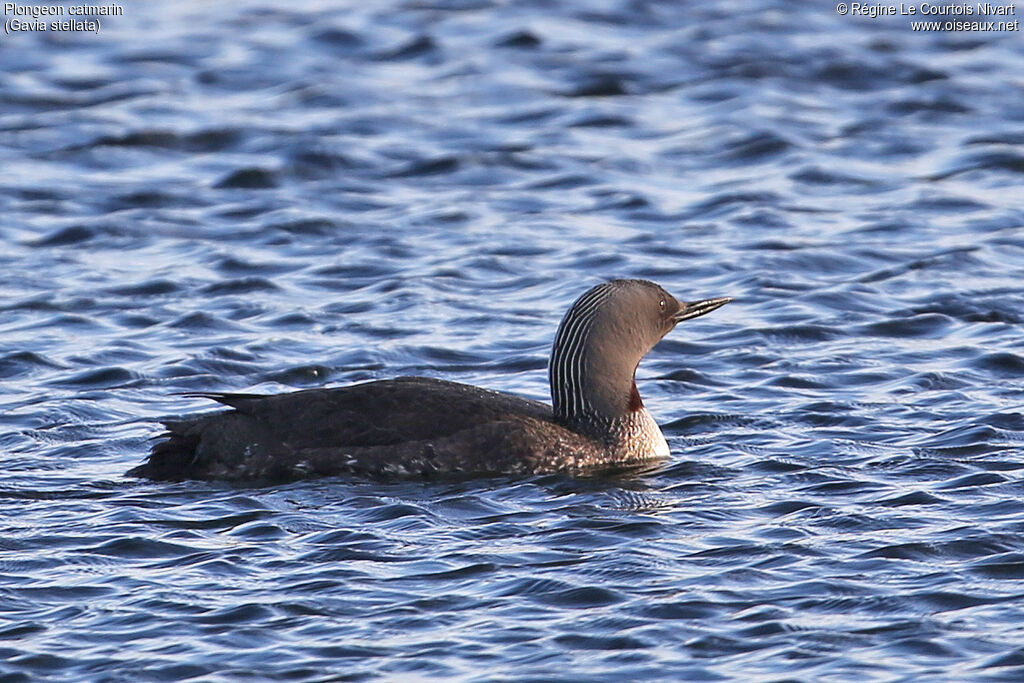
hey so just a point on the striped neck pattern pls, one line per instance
(575, 360)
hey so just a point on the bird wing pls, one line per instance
(378, 413)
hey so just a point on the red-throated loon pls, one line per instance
(417, 426)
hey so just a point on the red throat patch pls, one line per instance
(635, 402)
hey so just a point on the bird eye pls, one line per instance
(662, 304)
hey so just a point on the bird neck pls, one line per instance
(592, 389)
(608, 410)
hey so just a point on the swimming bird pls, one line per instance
(418, 426)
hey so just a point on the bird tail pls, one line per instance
(171, 458)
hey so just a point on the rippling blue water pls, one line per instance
(265, 196)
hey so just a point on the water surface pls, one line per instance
(259, 196)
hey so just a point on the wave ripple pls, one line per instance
(258, 197)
